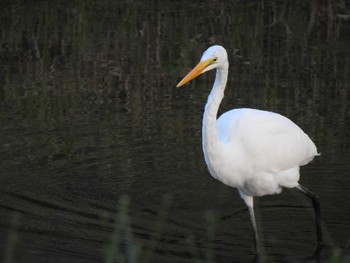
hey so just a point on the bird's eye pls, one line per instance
(215, 59)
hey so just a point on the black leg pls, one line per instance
(316, 204)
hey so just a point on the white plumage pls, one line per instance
(269, 149)
(256, 151)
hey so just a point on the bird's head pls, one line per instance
(213, 57)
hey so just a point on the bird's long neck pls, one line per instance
(210, 134)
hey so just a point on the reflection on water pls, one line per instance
(101, 155)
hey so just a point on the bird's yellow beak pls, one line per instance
(197, 70)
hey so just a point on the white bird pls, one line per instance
(258, 152)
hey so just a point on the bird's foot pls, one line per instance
(318, 249)
(256, 258)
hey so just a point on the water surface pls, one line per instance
(100, 154)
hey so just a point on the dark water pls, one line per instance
(100, 154)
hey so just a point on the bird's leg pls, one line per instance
(316, 204)
(249, 202)
(255, 231)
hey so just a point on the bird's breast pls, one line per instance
(224, 164)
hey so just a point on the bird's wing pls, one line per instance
(270, 140)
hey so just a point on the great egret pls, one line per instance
(256, 151)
